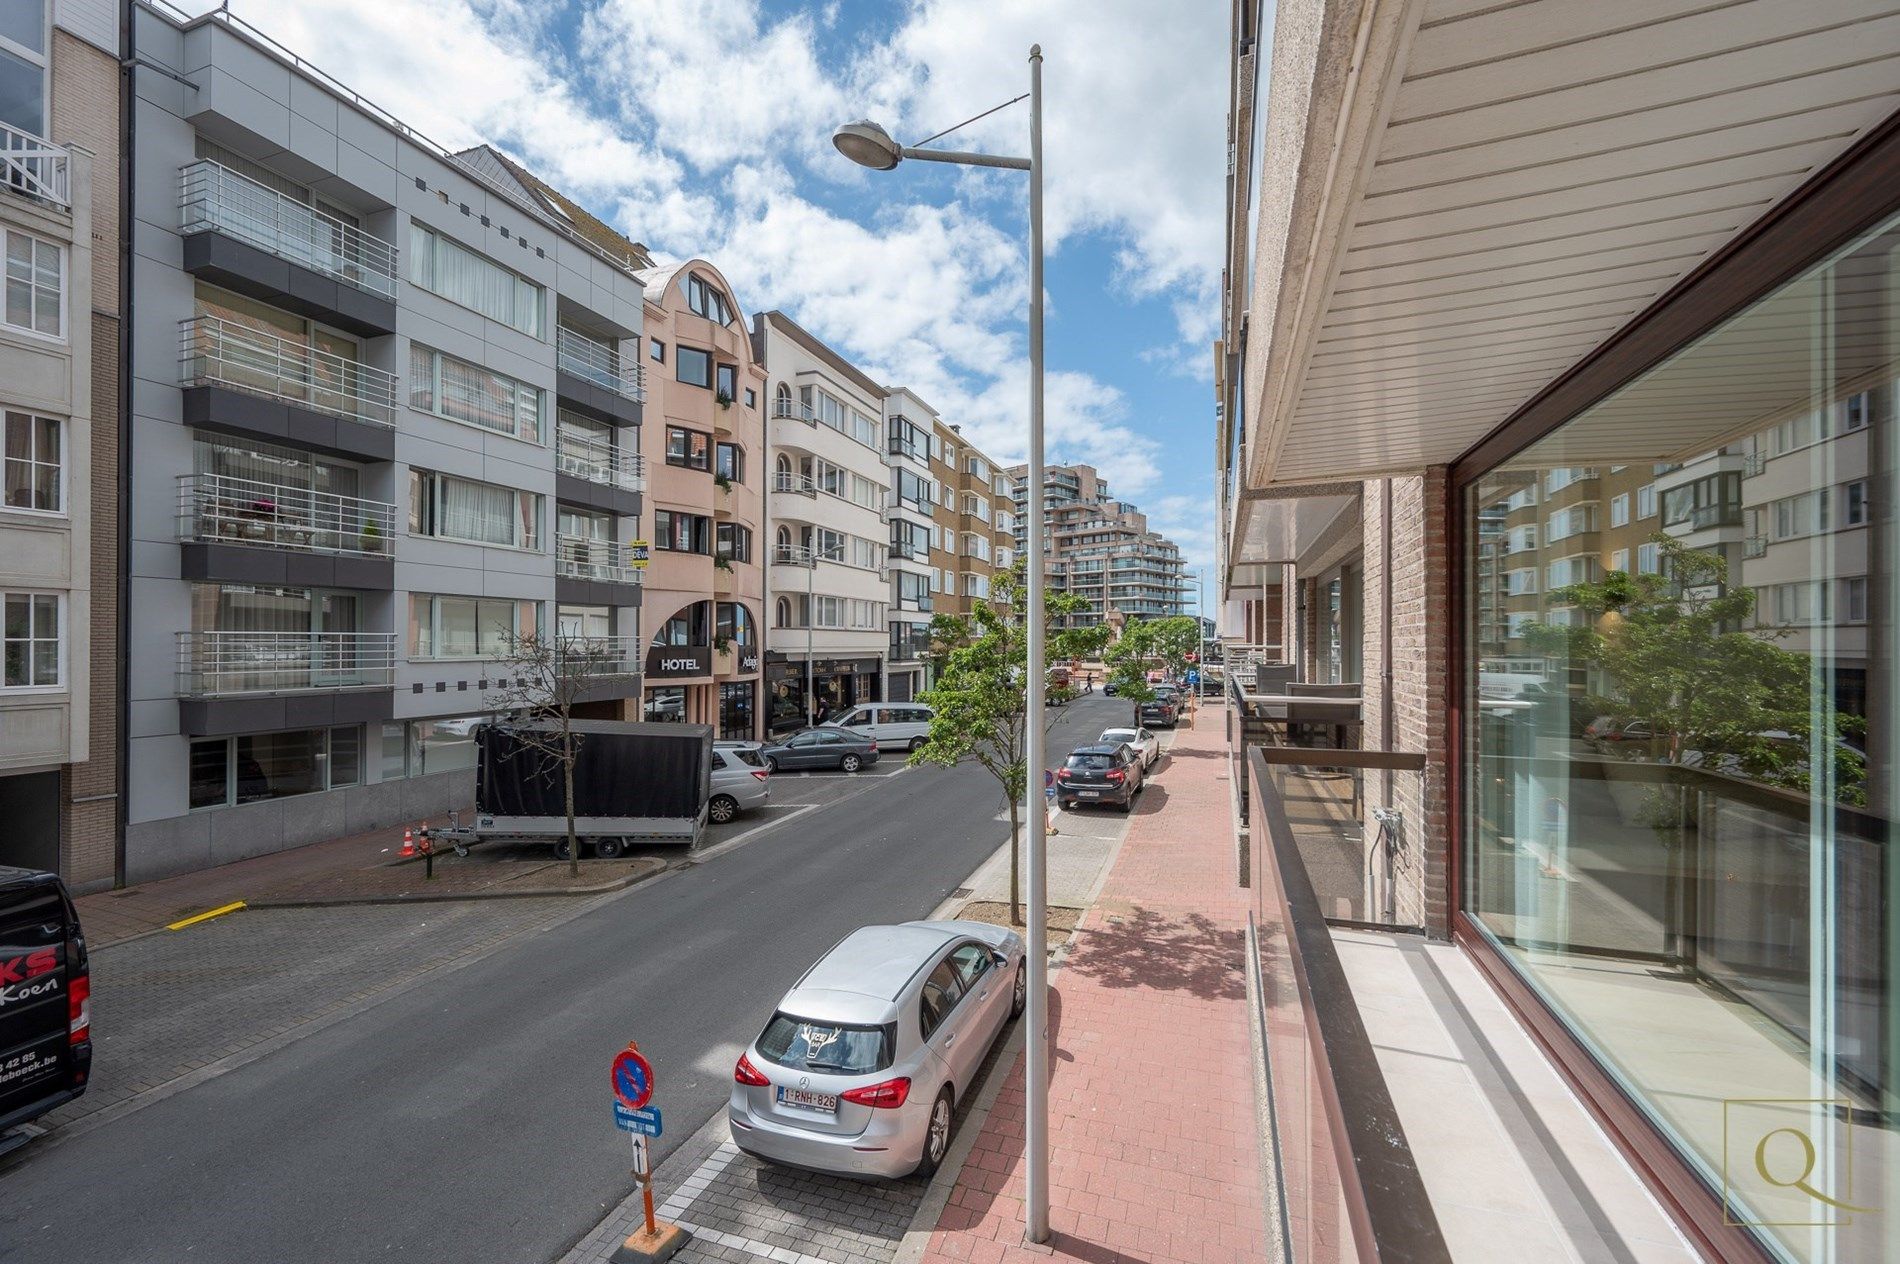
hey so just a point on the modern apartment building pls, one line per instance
(973, 537)
(386, 408)
(1099, 548)
(59, 410)
(1520, 298)
(916, 537)
(707, 468)
(828, 486)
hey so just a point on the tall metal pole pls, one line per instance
(1036, 1069)
(811, 573)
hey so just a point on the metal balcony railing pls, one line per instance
(1756, 462)
(221, 664)
(246, 511)
(594, 361)
(794, 555)
(602, 655)
(212, 197)
(35, 167)
(598, 461)
(794, 484)
(793, 410)
(1755, 546)
(578, 557)
(214, 351)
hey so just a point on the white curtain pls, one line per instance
(479, 512)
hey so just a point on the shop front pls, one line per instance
(837, 684)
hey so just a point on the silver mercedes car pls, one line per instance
(862, 1065)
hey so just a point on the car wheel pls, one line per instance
(917, 744)
(609, 847)
(771, 764)
(937, 1135)
(722, 808)
(851, 763)
(1019, 995)
(563, 849)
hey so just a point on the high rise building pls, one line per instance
(1099, 548)
(59, 431)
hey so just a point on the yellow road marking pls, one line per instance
(232, 907)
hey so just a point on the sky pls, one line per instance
(702, 128)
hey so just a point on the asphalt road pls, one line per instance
(469, 1119)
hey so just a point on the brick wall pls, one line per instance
(1420, 643)
(85, 109)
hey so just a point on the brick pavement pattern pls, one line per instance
(1155, 1145)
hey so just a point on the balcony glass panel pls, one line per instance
(598, 362)
(215, 198)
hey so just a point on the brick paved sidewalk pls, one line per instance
(1155, 1146)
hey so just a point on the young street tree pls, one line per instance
(1169, 644)
(979, 704)
(544, 678)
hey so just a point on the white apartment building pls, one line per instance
(826, 591)
(910, 430)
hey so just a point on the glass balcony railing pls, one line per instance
(217, 352)
(794, 555)
(215, 198)
(794, 484)
(793, 410)
(594, 361)
(223, 664)
(602, 655)
(578, 557)
(598, 461)
(246, 511)
(35, 167)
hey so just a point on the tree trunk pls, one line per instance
(567, 776)
(1015, 863)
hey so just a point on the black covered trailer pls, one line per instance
(632, 783)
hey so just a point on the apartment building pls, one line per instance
(1604, 299)
(707, 467)
(1099, 548)
(387, 407)
(974, 534)
(59, 378)
(917, 556)
(827, 580)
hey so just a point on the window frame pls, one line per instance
(63, 429)
(680, 361)
(61, 666)
(686, 462)
(326, 755)
(62, 255)
(428, 483)
(436, 236)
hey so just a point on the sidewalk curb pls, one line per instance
(521, 893)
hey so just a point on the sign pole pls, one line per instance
(632, 1078)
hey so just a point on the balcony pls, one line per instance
(240, 530)
(794, 484)
(595, 378)
(231, 664)
(794, 555)
(245, 381)
(597, 561)
(792, 410)
(1755, 546)
(601, 655)
(288, 253)
(597, 461)
(34, 167)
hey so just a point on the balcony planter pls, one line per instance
(723, 483)
(721, 562)
(723, 400)
(372, 537)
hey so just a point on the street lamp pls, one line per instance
(869, 145)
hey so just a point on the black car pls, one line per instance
(1101, 773)
(1108, 689)
(45, 997)
(821, 747)
(1158, 711)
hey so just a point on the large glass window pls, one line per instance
(736, 708)
(693, 366)
(468, 627)
(23, 65)
(1680, 819)
(446, 267)
(29, 640)
(460, 391)
(229, 770)
(35, 289)
(688, 449)
(480, 513)
(34, 458)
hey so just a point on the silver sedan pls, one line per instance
(861, 1066)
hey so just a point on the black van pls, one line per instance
(45, 997)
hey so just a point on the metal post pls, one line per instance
(1036, 1070)
(811, 572)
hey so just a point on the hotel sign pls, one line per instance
(679, 660)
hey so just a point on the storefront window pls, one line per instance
(228, 770)
(735, 710)
(1681, 775)
(666, 704)
(442, 745)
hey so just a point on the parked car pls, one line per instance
(1158, 711)
(45, 997)
(821, 747)
(1109, 689)
(892, 725)
(746, 752)
(1105, 772)
(861, 1066)
(1146, 744)
(737, 785)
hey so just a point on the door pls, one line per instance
(802, 751)
(985, 994)
(338, 658)
(941, 1019)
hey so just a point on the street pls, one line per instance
(471, 1121)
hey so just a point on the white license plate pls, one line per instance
(1089, 794)
(804, 1097)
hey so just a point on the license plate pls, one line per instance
(804, 1097)
(1089, 794)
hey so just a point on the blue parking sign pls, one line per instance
(645, 1123)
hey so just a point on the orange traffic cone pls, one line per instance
(408, 842)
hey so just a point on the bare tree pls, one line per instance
(543, 678)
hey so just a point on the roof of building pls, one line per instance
(817, 347)
(589, 226)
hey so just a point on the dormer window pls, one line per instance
(704, 299)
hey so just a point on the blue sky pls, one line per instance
(702, 127)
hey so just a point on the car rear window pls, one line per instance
(1119, 735)
(830, 1048)
(1093, 763)
(746, 756)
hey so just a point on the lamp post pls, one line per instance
(869, 145)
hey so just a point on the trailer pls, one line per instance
(633, 783)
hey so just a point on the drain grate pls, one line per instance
(962, 893)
